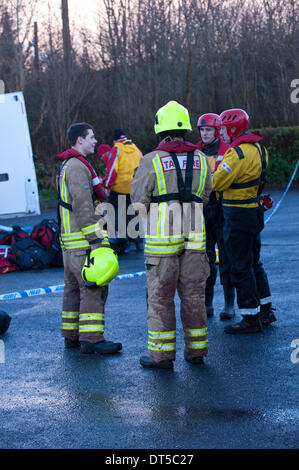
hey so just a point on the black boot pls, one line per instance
(248, 324)
(267, 315)
(105, 347)
(195, 360)
(71, 343)
(209, 311)
(209, 294)
(148, 363)
(229, 299)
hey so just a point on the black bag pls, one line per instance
(5, 237)
(4, 322)
(29, 254)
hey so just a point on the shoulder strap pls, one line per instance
(262, 151)
(184, 188)
(239, 152)
(60, 202)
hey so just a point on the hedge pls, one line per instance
(283, 147)
(282, 144)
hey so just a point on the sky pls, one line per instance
(83, 11)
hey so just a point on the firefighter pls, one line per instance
(83, 316)
(121, 162)
(214, 148)
(172, 182)
(241, 177)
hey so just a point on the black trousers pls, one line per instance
(214, 235)
(241, 236)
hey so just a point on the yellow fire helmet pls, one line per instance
(100, 267)
(172, 116)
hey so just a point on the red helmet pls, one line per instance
(234, 118)
(208, 119)
(211, 120)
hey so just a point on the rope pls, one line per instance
(283, 196)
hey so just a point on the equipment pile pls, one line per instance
(39, 250)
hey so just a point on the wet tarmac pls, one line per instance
(244, 397)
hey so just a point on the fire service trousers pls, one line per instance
(187, 273)
(83, 307)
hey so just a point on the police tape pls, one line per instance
(283, 195)
(53, 289)
(10, 229)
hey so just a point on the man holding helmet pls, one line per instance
(241, 177)
(82, 233)
(172, 182)
(214, 148)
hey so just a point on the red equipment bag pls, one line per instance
(46, 233)
(29, 253)
(8, 261)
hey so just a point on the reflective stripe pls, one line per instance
(70, 314)
(265, 300)
(163, 249)
(91, 316)
(170, 245)
(70, 326)
(203, 174)
(161, 219)
(161, 334)
(161, 346)
(200, 332)
(170, 239)
(77, 240)
(91, 228)
(112, 168)
(195, 246)
(72, 236)
(63, 195)
(249, 311)
(91, 328)
(197, 344)
(161, 190)
(159, 175)
(76, 244)
(91, 322)
(72, 240)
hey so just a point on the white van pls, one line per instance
(18, 184)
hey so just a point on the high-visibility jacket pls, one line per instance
(242, 172)
(157, 185)
(120, 165)
(80, 226)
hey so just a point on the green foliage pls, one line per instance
(47, 195)
(283, 147)
(46, 174)
(282, 144)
